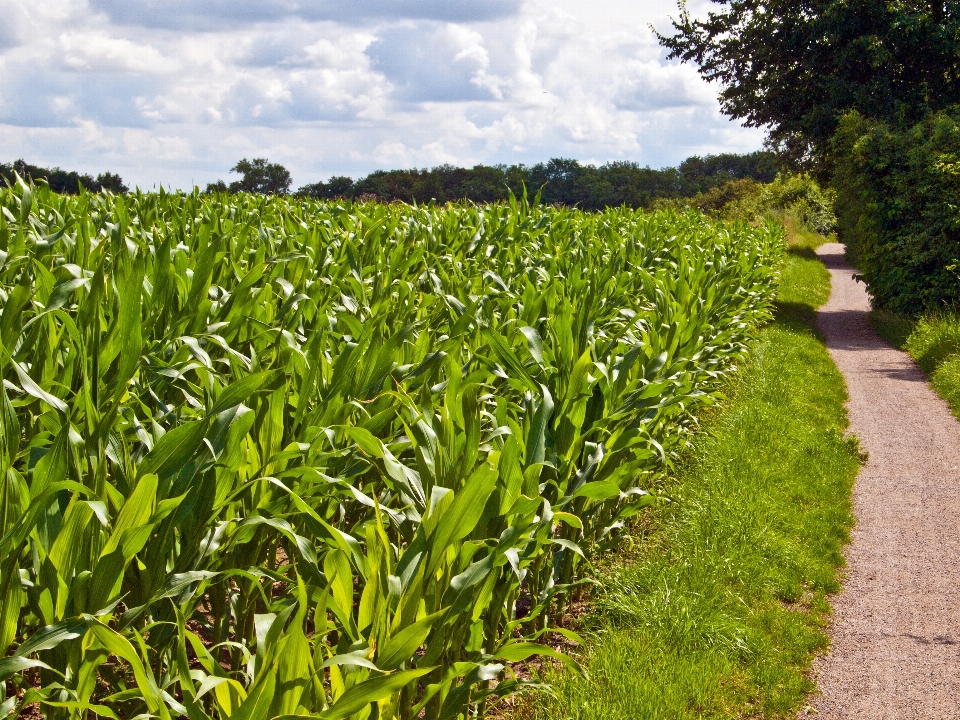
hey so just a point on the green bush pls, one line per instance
(714, 201)
(801, 197)
(797, 196)
(896, 206)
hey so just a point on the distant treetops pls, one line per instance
(67, 182)
(259, 176)
(561, 181)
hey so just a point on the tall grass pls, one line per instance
(262, 458)
(933, 341)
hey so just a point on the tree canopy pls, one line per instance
(561, 181)
(796, 66)
(260, 176)
(67, 182)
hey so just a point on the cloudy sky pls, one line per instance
(176, 91)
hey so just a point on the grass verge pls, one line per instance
(719, 608)
(933, 341)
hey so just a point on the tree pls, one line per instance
(796, 66)
(66, 182)
(112, 182)
(702, 174)
(216, 187)
(262, 177)
(338, 187)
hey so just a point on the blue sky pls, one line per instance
(176, 91)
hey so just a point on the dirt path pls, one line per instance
(896, 629)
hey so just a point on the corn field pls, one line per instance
(273, 458)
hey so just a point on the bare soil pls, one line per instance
(896, 629)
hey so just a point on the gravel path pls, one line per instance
(896, 625)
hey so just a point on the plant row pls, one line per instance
(263, 457)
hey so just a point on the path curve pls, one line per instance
(896, 625)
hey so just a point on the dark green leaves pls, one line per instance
(174, 449)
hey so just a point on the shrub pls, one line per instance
(798, 196)
(897, 194)
(801, 197)
(716, 201)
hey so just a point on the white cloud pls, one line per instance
(158, 147)
(98, 52)
(176, 92)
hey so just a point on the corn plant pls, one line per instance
(266, 458)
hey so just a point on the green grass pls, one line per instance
(933, 341)
(720, 609)
(801, 236)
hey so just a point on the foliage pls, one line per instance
(796, 196)
(61, 181)
(718, 202)
(262, 457)
(218, 186)
(562, 181)
(259, 176)
(897, 208)
(795, 67)
(700, 174)
(717, 608)
(107, 181)
(338, 187)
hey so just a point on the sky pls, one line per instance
(175, 92)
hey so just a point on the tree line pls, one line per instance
(560, 181)
(67, 182)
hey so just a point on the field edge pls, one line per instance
(721, 604)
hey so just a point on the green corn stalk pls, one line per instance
(264, 457)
